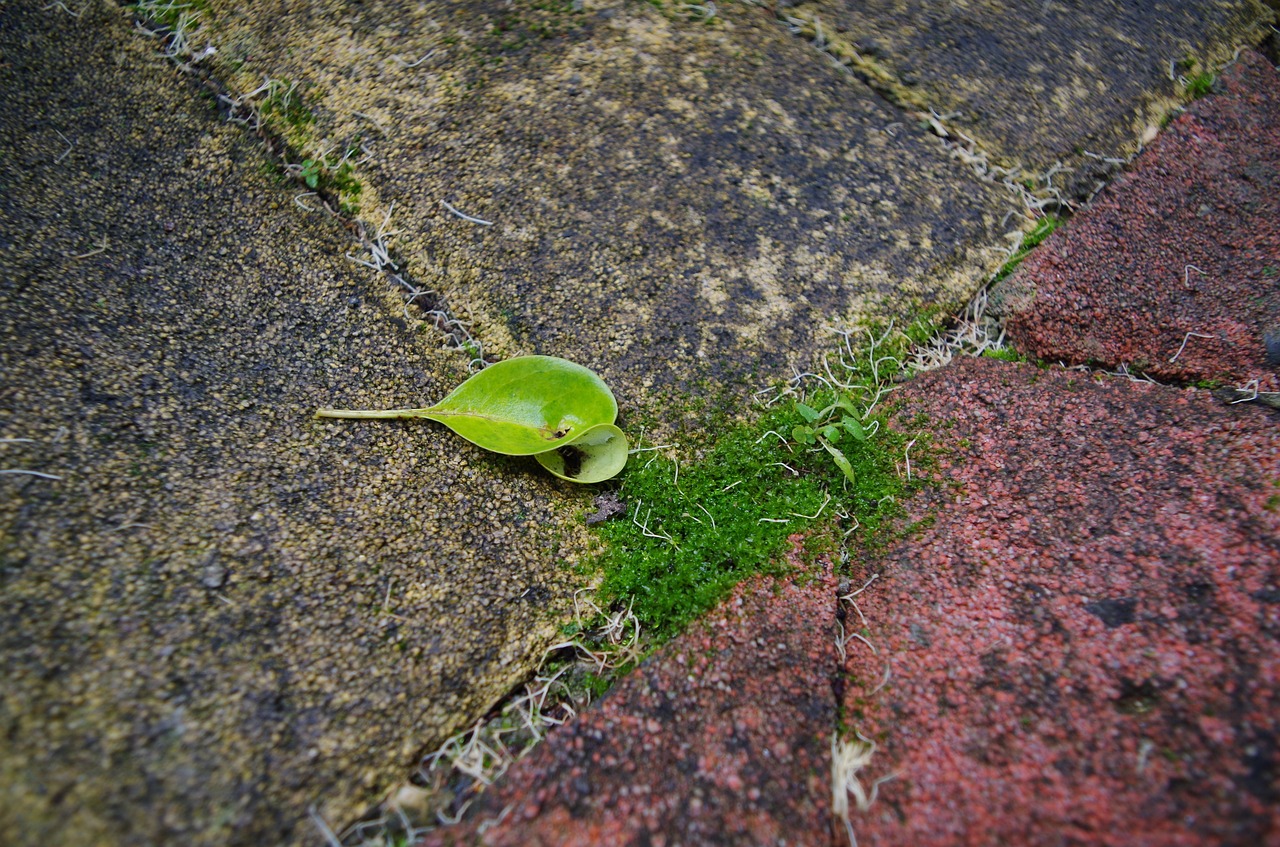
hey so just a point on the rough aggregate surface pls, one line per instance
(721, 738)
(1042, 85)
(1082, 645)
(683, 207)
(219, 611)
(1078, 646)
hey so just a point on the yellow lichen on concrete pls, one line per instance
(620, 155)
(220, 610)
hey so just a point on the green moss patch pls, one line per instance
(825, 463)
(1200, 85)
(1042, 230)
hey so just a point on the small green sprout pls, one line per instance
(311, 173)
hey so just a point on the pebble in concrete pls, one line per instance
(219, 611)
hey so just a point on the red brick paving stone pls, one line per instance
(1084, 643)
(1113, 286)
(722, 737)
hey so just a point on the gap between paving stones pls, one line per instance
(178, 28)
(966, 153)
(480, 755)
(222, 568)
(1038, 192)
(853, 755)
(1041, 196)
(610, 641)
(455, 258)
(967, 63)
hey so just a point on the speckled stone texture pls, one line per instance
(223, 611)
(1077, 647)
(1187, 241)
(220, 612)
(723, 737)
(1038, 84)
(1082, 647)
(682, 206)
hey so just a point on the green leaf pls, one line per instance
(803, 434)
(831, 433)
(807, 412)
(311, 173)
(527, 406)
(846, 404)
(598, 454)
(841, 462)
(854, 428)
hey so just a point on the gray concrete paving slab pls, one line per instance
(683, 205)
(1037, 84)
(218, 611)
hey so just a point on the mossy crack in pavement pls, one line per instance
(223, 613)
(227, 621)
(175, 27)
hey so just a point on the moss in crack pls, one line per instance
(1042, 230)
(1005, 354)
(278, 110)
(832, 463)
(334, 175)
(170, 14)
(283, 106)
(1199, 85)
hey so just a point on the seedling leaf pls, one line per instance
(841, 461)
(846, 404)
(854, 428)
(803, 434)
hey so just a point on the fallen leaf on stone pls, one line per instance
(557, 411)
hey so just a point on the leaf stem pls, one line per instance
(380, 414)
